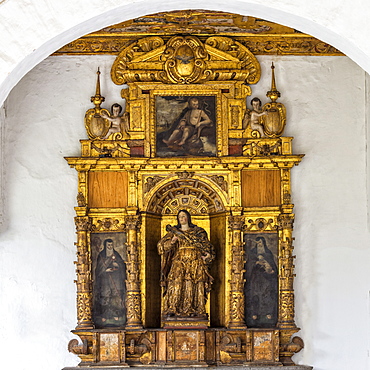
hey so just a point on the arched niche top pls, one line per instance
(192, 194)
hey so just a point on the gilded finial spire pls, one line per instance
(273, 94)
(97, 99)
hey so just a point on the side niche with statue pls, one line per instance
(184, 217)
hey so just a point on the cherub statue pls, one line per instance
(252, 118)
(118, 123)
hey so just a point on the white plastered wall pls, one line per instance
(325, 101)
(32, 30)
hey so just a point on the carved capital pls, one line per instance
(236, 222)
(133, 222)
(285, 221)
(82, 223)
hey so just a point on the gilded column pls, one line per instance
(237, 301)
(134, 320)
(286, 272)
(83, 270)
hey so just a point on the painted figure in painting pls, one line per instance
(187, 134)
(109, 287)
(118, 123)
(186, 256)
(252, 118)
(190, 125)
(261, 286)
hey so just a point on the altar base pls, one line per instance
(254, 367)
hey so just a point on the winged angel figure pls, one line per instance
(252, 119)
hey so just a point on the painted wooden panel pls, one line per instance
(260, 188)
(108, 189)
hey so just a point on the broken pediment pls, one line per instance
(185, 60)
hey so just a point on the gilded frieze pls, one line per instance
(261, 37)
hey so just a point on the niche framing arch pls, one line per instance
(208, 205)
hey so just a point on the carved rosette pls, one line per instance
(286, 272)
(237, 300)
(134, 321)
(83, 270)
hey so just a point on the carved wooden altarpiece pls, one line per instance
(230, 171)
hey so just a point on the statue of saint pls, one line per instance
(186, 256)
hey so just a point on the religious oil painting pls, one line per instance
(261, 286)
(109, 276)
(185, 126)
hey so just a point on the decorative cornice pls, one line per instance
(259, 36)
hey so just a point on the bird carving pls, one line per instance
(184, 58)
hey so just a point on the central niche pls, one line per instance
(207, 210)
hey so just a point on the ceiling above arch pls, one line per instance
(259, 36)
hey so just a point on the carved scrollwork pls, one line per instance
(109, 149)
(121, 73)
(185, 174)
(294, 346)
(259, 224)
(84, 304)
(287, 350)
(237, 307)
(81, 201)
(151, 181)
(286, 306)
(133, 307)
(78, 349)
(108, 224)
(262, 147)
(185, 60)
(220, 181)
(249, 70)
(230, 344)
(142, 348)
